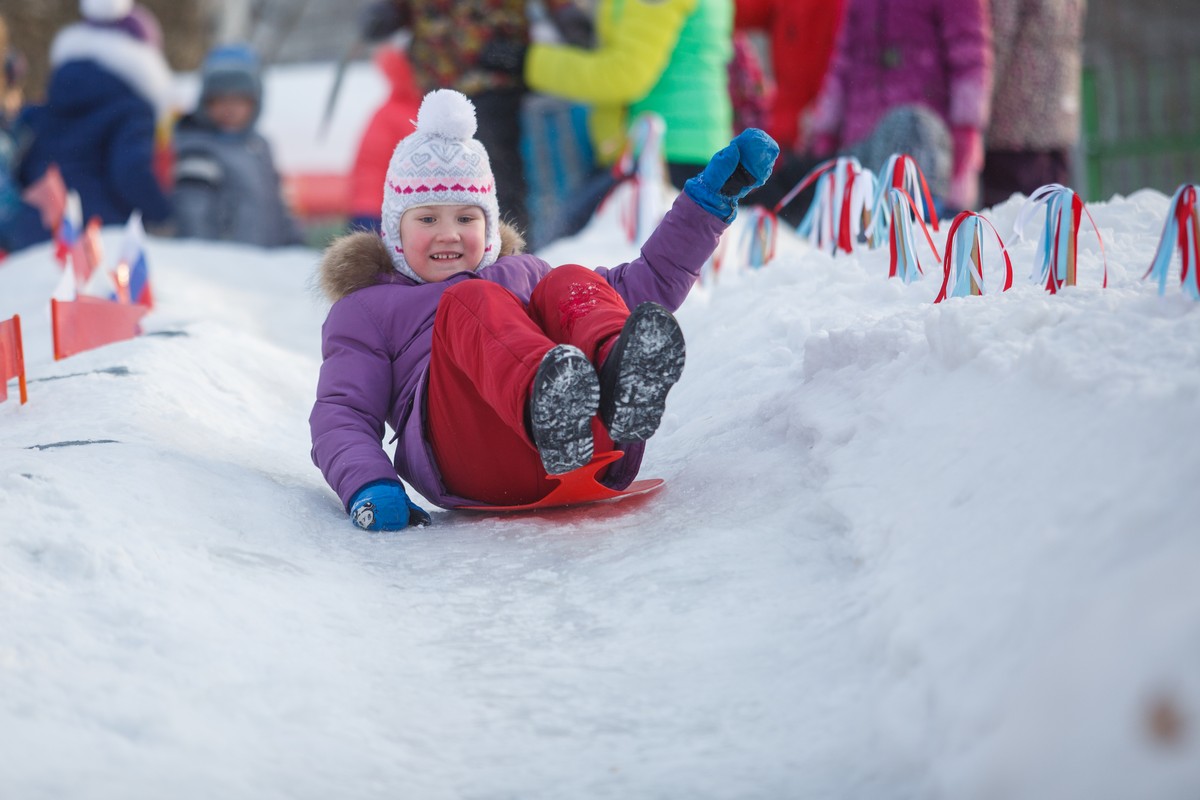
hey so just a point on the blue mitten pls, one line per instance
(742, 165)
(384, 506)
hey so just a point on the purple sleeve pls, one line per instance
(353, 392)
(671, 259)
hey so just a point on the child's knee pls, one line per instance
(570, 273)
(475, 293)
(566, 281)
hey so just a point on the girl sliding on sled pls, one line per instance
(494, 369)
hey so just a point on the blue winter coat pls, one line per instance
(98, 125)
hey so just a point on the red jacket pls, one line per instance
(391, 122)
(802, 36)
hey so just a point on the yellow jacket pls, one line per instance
(667, 56)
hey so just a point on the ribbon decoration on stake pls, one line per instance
(12, 358)
(750, 242)
(640, 173)
(902, 172)
(711, 266)
(757, 239)
(902, 213)
(1058, 244)
(963, 267)
(841, 203)
(1181, 231)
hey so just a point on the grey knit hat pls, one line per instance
(916, 131)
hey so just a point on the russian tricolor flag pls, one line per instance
(133, 273)
(110, 305)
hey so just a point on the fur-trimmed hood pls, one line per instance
(139, 65)
(358, 260)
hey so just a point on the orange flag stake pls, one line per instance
(12, 357)
(90, 322)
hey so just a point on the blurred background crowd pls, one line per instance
(991, 97)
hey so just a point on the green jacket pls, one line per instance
(666, 56)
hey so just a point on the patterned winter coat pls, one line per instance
(106, 92)
(377, 340)
(448, 36)
(802, 35)
(890, 53)
(1035, 102)
(666, 56)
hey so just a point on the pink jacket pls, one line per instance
(937, 53)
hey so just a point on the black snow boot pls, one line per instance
(644, 364)
(565, 395)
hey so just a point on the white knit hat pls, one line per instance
(105, 10)
(440, 164)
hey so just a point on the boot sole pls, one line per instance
(565, 396)
(648, 360)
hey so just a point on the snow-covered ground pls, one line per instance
(905, 550)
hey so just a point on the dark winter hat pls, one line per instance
(918, 132)
(231, 69)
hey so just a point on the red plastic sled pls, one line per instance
(580, 487)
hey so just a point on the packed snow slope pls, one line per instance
(905, 550)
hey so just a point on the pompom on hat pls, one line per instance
(123, 15)
(440, 164)
(105, 10)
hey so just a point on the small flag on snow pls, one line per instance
(133, 273)
(48, 194)
(12, 357)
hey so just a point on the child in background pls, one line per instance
(226, 185)
(109, 85)
(1034, 128)
(492, 368)
(897, 55)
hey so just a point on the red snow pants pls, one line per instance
(487, 346)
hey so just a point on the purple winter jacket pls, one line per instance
(889, 53)
(377, 339)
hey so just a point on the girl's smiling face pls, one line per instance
(440, 241)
